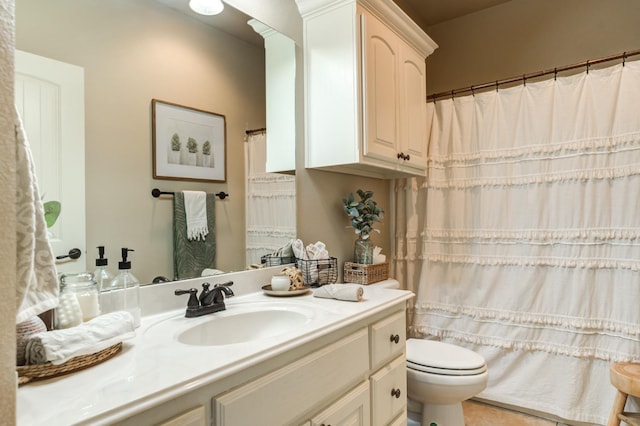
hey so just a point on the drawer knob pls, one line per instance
(395, 392)
(395, 338)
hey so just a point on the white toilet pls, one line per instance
(439, 377)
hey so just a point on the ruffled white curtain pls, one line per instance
(523, 243)
(271, 203)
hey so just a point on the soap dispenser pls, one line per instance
(125, 289)
(102, 275)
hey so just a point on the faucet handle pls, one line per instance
(227, 284)
(193, 298)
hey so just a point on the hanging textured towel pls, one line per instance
(191, 257)
(37, 279)
(195, 208)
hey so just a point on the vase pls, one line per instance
(363, 251)
(174, 157)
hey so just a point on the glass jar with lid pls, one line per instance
(78, 299)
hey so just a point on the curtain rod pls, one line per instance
(255, 131)
(525, 77)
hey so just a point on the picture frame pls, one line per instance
(188, 143)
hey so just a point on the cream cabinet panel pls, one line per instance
(381, 94)
(350, 410)
(387, 339)
(279, 397)
(364, 102)
(401, 420)
(195, 417)
(388, 392)
(413, 108)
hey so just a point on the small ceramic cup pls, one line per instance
(280, 283)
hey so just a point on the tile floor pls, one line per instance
(479, 414)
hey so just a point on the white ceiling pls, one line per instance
(424, 12)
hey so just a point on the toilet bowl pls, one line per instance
(440, 376)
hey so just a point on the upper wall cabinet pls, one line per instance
(365, 88)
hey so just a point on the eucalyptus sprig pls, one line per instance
(363, 213)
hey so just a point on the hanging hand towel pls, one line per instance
(349, 292)
(37, 278)
(191, 257)
(195, 208)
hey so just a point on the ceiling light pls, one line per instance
(206, 7)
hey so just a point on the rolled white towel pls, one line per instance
(58, 346)
(349, 292)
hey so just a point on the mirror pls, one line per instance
(131, 53)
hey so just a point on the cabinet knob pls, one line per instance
(403, 156)
(395, 392)
(400, 155)
(395, 338)
(407, 157)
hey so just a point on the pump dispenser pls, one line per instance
(102, 275)
(124, 293)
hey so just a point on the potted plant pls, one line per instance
(363, 213)
(206, 155)
(192, 147)
(174, 153)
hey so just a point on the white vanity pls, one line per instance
(265, 360)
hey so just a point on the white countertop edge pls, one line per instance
(140, 405)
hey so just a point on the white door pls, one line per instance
(50, 101)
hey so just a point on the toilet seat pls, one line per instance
(443, 359)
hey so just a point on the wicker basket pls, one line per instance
(365, 274)
(28, 373)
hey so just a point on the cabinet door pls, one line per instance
(389, 392)
(380, 82)
(387, 339)
(282, 396)
(350, 410)
(195, 417)
(413, 108)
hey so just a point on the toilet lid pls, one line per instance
(442, 358)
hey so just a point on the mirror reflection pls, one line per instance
(131, 53)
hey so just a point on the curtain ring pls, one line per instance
(452, 95)
(624, 58)
(524, 80)
(555, 73)
(588, 65)
(473, 93)
(496, 85)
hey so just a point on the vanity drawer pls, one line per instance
(387, 339)
(389, 392)
(284, 395)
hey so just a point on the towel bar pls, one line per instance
(155, 192)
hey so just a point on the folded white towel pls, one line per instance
(349, 292)
(195, 209)
(59, 346)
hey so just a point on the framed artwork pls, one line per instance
(188, 143)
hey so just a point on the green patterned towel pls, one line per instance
(191, 257)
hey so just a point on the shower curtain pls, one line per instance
(523, 242)
(271, 203)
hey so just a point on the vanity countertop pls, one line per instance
(154, 368)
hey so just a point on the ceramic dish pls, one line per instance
(286, 293)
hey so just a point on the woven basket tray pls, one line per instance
(365, 274)
(27, 373)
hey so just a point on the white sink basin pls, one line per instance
(242, 327)
(237, 324)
